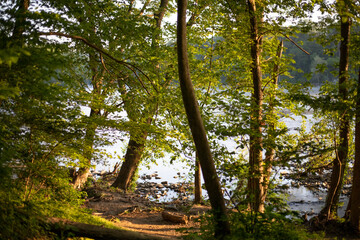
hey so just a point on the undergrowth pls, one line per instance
(246, 225)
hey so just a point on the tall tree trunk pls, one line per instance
(270, 150)
(340, 161)
(355, 192)
(222, 227)
(136, 147)
(197, 185)
(255, 182)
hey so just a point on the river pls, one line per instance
(299, 198)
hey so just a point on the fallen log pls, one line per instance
(175, 217)
(75, 229)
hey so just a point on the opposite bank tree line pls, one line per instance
(172, 88)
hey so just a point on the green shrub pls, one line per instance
(255, 226)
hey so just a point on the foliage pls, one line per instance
(249, 225)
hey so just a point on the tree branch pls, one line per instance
(295, 44)
(129, 66)
(195, 15)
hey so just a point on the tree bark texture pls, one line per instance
(197, 191)
(340, 161)
(355, 193)
(222, 227)
(132, 159)
(256, 195)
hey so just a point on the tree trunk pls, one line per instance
(80, 177)
(75, 229)
(256, 195)
(132, 159)
(197, 185)
(270, 151)
(340, 161)
(222, 227)
(136, 147)
(355, 192)
(19, 27)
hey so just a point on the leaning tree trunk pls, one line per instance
(222, 227)
(137, 142)
(256, 195)
(132, 159)
(340, 161)
(355, 192)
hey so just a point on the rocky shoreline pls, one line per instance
(150, 188)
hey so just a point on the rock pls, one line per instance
(164, 182)
(160, 185)
(157, 177)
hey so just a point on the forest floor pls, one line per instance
(133, 212)
(136, 212)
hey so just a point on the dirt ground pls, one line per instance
(132, 212)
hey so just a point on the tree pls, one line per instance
(354, 202)
(340, 161)
(212, 184)
(137, 139)
(256, 177)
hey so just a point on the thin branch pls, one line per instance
(45, 156)
(296, 44)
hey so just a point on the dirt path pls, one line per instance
(138, 214)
